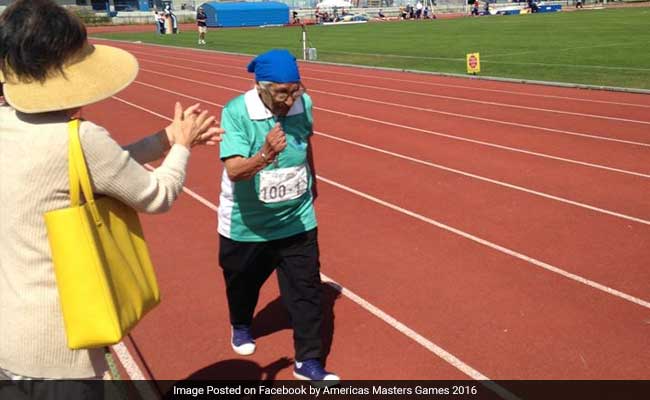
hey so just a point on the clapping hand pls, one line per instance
(193, 126)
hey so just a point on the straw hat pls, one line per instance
(95, 73)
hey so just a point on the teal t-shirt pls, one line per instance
(246, 215)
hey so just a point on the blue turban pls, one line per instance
(277, 66)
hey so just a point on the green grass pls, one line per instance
(604, 47)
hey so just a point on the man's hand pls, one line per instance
(275, 142)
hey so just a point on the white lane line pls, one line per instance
(451, 359)
(527, 126)
(494, 246)
(422, 162)
(128, 362)
(134, 372)
(394, 323)
(123, 354)
(494, 181)
(489, 144)
(460, 115)
(224, 57)
(457, 59)
(421, 340)
(435, 133)
(480, 89)
(463, 99)
(309, 67)
(476, 239)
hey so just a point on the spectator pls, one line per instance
(409, 11)
(173, 21)
(46, 64)
(381, 15)
(475, 8)
(318, 15)
(201, 23)
(428, 14)
(160, 22)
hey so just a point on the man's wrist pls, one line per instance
(265, 157)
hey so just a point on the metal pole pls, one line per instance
(304, 43)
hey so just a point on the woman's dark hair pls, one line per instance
(37, 37)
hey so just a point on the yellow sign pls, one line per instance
(473, 63)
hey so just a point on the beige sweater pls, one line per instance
(34, 180)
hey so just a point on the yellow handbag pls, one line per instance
(104, 275)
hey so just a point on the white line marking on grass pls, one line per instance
(493, 62)
(423, 162)
(476, 239)
(491, 103)
(394, 56)
(553, 50)
(613, 68)
(544, 155)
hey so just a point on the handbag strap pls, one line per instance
(72, 171)
(78, 172)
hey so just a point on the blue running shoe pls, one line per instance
(242, 340)
(312, 370)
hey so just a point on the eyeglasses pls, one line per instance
(282, 97)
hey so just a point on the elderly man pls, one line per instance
(266, 213)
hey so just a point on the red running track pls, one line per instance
(515, 246)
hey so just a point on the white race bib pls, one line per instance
(283, 184)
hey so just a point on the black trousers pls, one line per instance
(247, 265)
